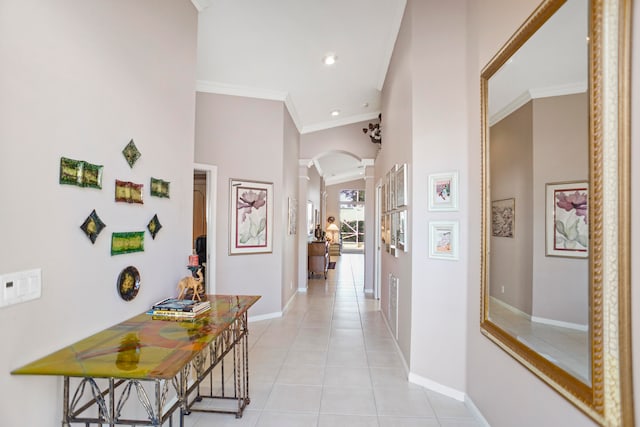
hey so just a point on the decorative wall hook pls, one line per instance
(375, 131)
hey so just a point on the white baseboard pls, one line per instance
(560, 323)
(265, 316)
(304, 290)
(475, 412)
(542, 320)
(437, 387)
(404, 362)
(286, 306)
(368, 291)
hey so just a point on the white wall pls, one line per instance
(80, 79)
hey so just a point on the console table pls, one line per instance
(163, 363)
(318, 258)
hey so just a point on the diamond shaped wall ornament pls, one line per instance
(92, 226)
(154, 226)
(131, 153)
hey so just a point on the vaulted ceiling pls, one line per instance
(274, 49)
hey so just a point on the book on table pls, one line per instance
(177, 315)
(181, 305)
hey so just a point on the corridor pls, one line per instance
(330, 361)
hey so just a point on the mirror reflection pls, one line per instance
(538, 163)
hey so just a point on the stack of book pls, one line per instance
(179, 309)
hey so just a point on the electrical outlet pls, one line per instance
(503, 289)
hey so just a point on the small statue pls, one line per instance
(190, 282)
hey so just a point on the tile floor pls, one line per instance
(329, 362)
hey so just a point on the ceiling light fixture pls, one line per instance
(335, 113)
(329, 59)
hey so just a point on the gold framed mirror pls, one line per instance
(555, 196)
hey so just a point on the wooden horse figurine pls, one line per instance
(192, 283)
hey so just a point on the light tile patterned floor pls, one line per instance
(330, 362)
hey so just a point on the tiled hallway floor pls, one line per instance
(330, 361)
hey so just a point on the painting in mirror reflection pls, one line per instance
(541, 300)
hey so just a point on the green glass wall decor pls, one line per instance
(128, 192)
(80, 173)
(92, 226)
(129, 283)
(154, 226)
(159, 188)
(127, 242)
(131, 153)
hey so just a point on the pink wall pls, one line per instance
(290, 254)
(511, 177)
(80, 79)
(504, 391)
(439, 145)
(248, 138)
(561, 153)
(396, 148)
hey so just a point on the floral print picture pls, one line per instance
(503, 214)
(251, 217)
(567, 219)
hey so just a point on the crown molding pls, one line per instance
(237, 90)
(279, 95)
(251, 92)
(340, 122)
(201, 5)
(536, 93)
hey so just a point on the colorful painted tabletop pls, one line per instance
(143, 348)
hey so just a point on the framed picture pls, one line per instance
(383, 196)
(310, 226)
(293, 216)
(392, 188)
(393, 246)
(443, 240)
(402, 231)
(443, 191)
(401, 186)
(251, 217)
(503, 217)
(387, 232)
(567, 213)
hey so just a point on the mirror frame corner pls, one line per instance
(609, 398)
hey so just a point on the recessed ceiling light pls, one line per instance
(329, 59)
(335, 113)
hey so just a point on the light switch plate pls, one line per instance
(20, 286)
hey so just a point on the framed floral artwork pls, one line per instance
(443, 240)
(567, 213)
(503, 217)
(251, 217)
(443, 191)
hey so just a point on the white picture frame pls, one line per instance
(443, 191)
(444, 240)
